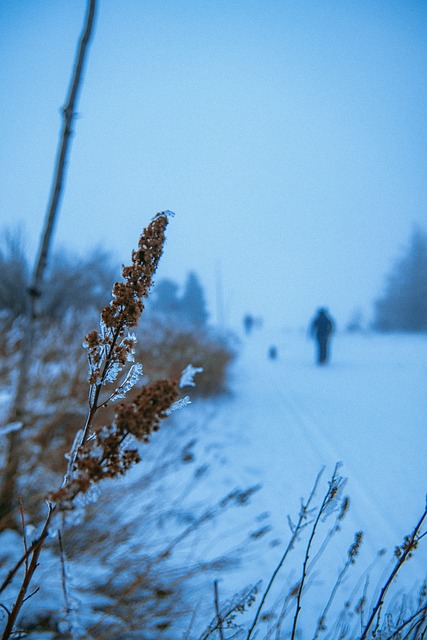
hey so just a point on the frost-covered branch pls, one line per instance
(402, 553)
(304, 515)
(329, 503)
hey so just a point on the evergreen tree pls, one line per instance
(403, 306)
(193, 302)
(164, 299)
(188, 308)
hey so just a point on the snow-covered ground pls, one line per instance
(287, 418)
(284, 420)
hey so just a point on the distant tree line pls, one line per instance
(403, 304)
(79, 283)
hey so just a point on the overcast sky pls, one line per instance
(289, 136)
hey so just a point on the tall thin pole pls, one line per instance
(7, 489)
(63, 151)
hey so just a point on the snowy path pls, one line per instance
(287, 418)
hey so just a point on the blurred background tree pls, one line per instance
(164, 298)
(15, 273)
(72, 282)
(193, 301)
(403, 305)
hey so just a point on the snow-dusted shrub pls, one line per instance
(57, 391)
(127, 587)
(57, 388)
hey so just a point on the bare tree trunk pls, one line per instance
(8, 485)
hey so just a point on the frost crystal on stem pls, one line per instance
(187, 376)
(112, 372)
(12, 426)
(133, 375)
(179, 404)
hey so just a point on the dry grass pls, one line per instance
(166, 349)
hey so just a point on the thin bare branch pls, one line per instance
(217, 610)
(21, 511)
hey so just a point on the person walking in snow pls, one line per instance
(321, 329)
